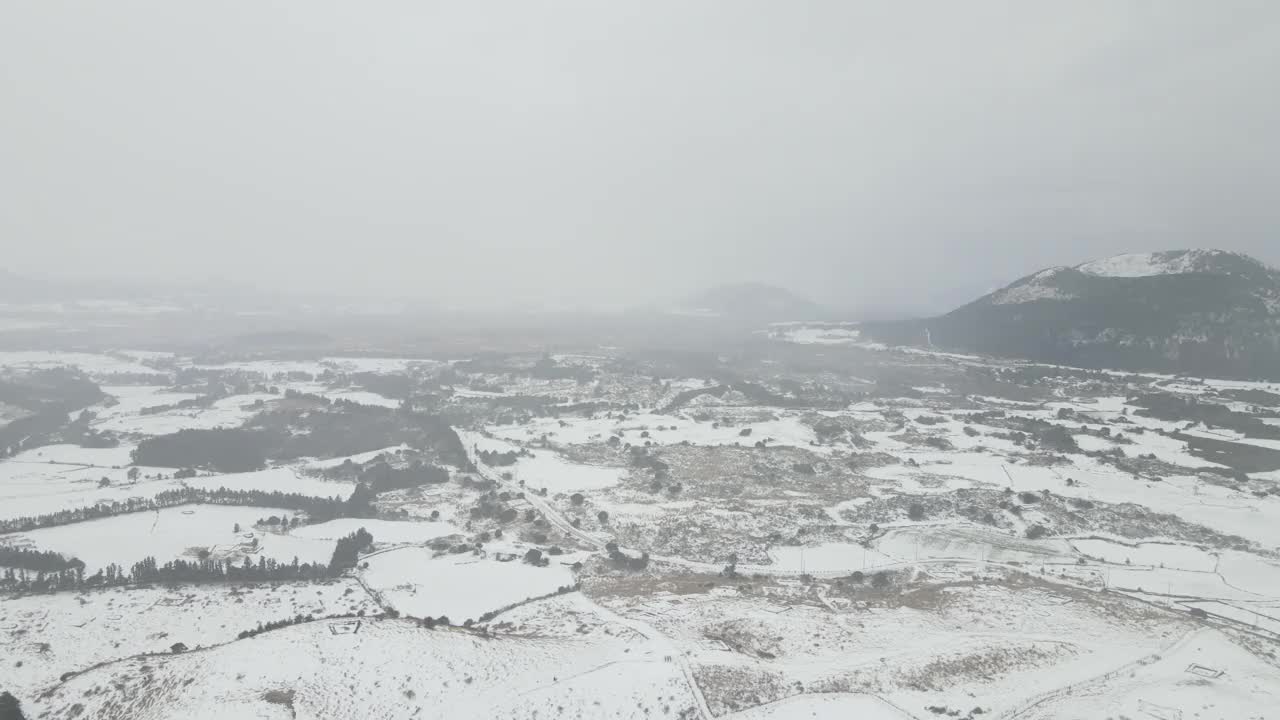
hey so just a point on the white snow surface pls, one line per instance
(1133, 265)
(83, 629)
(64, 454)
(358, 458)
(169, 534)
(825, 705)
(283, 479)
(38, 488)
(1035, 289)
(383, 531)
(1169, 555)
(460, 586)
(549, 470)
(357, 670)
(829, 557)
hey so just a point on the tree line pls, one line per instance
(317, 509)
(205, 570)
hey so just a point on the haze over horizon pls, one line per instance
(864, 155)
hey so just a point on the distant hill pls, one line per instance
(753, 302)
(1207, 312)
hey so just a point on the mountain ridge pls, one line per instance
(1200, 311)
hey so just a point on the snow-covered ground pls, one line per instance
(359, 458)
(1178, 557)
(971, 614)
(457, 586)
(72, 631)
(834, 705)
(661, 430)
(227, 412)
(39, 488)
(1206, 677)
(94, 365)
(829, 557)
(383, 531)
(1133, 265)
(63, 454)
(549, 470)
(391, 669)
(282, 479)
(170, 534)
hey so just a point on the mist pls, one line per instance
(870, 156)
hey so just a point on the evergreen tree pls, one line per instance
(10, 708)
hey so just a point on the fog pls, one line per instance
(879, 155)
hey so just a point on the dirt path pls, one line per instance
(667, 646)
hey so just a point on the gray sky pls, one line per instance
(881, 154)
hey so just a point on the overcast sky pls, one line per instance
(867, 154)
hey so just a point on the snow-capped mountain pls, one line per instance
(1197, 311)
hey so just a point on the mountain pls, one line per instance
(1207, 312)
(754, 302)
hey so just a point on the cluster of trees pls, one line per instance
(1174, 408)
(10, 708)
(548, 369)
(61, 388)
(494, 505)
(266, 627)
(360, 428)
(347, 551)
(205, 570)
(223, 450)
(342, 428)
(51, 396)
(38, 560)
(392, 386)
(197, 402)
(381, 477)
(147, 571)
(624, 561)
(501, 459)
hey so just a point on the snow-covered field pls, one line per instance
(548, 470)
(659, 429)
(36, 488)
(359, 458)
(828, 558)
(171, 534)
(94, 365)
(835, 705)
(383, 531)
(282, 479)
(227, 412)
(71, 631)
(460, 587)
(1205, 676)
(389, 669)
(1178, 557)
(114, 457)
